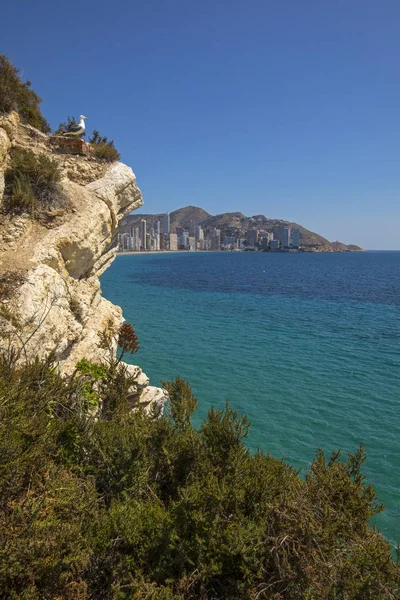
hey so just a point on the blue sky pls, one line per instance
(280, 107)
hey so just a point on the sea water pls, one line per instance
(307, 345)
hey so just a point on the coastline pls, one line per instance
(124, 253)
(146, 252)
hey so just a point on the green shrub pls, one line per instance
(102, 148)
(119, 506)
(105, 152)
(64, 126)
(32, 183)
(16, 95)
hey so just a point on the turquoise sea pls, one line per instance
(308, 345)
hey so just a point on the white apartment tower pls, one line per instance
(143, 233)
(199, 233)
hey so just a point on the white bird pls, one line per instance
(76, 129)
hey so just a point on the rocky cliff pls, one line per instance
(50, 295)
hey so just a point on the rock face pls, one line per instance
(50, 296)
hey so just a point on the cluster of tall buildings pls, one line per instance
(160, 237)
(142, 237)
(280, 238)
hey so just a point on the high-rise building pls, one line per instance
(266, 240)
(282, 234)
(137, 239)
(286, 237)
(192, 228)
(295, 237)
(274, 244)
(192, 243)
(173, 241)
(143, 234)
(215, 239)
(229, 240)
(126, 241)
(183, 240)
(166, 223)
(134, 236)
(199, 233)
(157, 227)
(252, 237)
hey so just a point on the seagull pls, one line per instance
(78, 129)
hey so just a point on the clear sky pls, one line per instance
(288, 108)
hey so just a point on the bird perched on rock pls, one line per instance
(76, 129)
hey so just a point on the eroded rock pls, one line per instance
(58, 306)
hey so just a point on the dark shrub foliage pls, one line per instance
(16, 95)
(102, 148)
(64, 126)
(32, 183)
(118, 506)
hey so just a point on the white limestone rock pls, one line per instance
(5, 144)
(2, 186)
(58, 304)
(152, 399)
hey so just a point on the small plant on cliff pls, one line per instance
(128, 341)
(16, 95)
(103, 148)
(32, 183)
(71, 121)
(124, 337)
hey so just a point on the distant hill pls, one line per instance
(235, 223)
(183, 216)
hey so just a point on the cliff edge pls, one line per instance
(50, 295)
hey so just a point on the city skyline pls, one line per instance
(159, 237)
(299, 119)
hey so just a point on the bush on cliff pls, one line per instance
(123, 506)
(16, 95)
(63, 126)
(32, 183)
(102, 148)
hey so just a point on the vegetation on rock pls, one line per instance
(16, 95)
(116, 505)
(102, 148)
(71, 121)
(32, 183)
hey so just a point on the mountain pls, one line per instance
(236, 223)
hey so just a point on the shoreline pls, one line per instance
(146, 252)
(125, 252)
